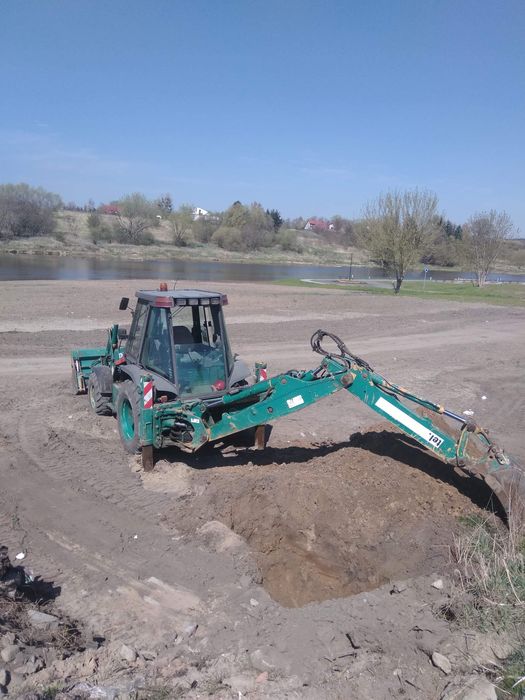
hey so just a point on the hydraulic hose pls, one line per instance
(344, 354)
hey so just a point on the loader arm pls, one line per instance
(456, 441)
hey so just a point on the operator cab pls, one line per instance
(180, 335)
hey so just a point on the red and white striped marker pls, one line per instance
(263, 375)
(148, 394)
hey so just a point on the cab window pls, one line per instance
(201, 353)
(135, 333)
(156, 351)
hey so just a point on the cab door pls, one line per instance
(157, 349)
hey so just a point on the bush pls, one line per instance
(135, 216)
(99, 231)
(203, 229)
(119, 235)
(228, 237)
(256, 228)
(442, 252)
(27, 211)
(289, 241)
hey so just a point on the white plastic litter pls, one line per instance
(20, 556)
(483, 398)
(468, 413)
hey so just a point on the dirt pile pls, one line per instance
(330, 521)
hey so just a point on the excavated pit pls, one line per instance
(331, 521)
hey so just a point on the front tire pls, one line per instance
(128, 415)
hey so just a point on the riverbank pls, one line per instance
(501, 294)
(322, 254)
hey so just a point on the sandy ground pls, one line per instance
(283, 559)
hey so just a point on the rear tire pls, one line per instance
(97, 400)
(128, 412)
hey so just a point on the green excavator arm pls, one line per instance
(452, 438)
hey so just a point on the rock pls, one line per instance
(481, 689)
(245, 581)
(88, 665)
(95, 692)
(127, 653)
(398, 588)
(21, 658)
(42, 621)
(441, 662)
(438, 584)
(148, 654)
(34, 665)
(45, 676)
(7, 639)
(91, 645)
(502, 645)
(240, 683)
(9, 652)
(474, 688)
(262, 677)
(219, 538)
(254, 602)
(139, 682)
(190, 629)
(467, 652)
(4, 677)
(268, 659)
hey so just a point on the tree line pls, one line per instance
(398, 229)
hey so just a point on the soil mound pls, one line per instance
(329, 521)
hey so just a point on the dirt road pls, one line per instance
(276, 557)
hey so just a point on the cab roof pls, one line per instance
(180, 297)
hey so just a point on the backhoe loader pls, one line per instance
(174, 381)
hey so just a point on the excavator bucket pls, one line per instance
(508, 483)
(480, 456)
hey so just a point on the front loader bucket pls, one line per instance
(82, 362)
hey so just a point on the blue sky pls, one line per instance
(311, 107)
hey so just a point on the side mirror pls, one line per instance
(123, 304)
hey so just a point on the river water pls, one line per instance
(51, 267)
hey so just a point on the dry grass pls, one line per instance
(490, 568)
(490, 590)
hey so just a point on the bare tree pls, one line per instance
(164, 203)
(180, 222)
(135, 216)
(395, 226)
(483, 238)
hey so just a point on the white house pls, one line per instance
(199, 213)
